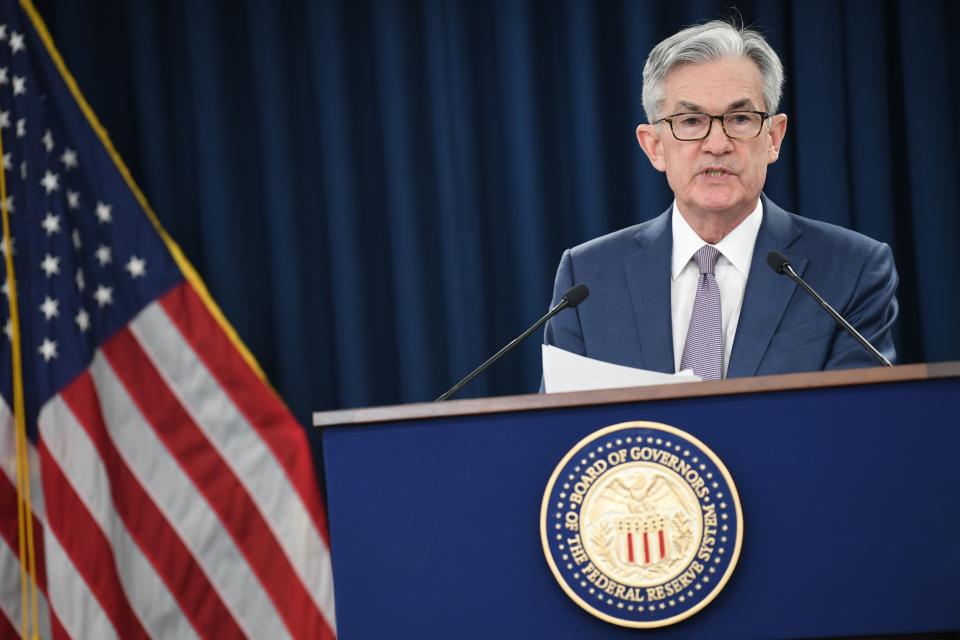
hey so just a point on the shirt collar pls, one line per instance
(737, 246)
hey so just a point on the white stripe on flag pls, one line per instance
(8, 460)
(10, 591)
(80, 462)
(184, 507)
(241, 447)
(77, 608)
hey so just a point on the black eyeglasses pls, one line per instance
(696, 126)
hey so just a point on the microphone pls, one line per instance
(779, 263)
(574, 296)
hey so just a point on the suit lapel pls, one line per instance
(648, 278)
(767, 294)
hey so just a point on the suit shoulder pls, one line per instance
(616, 244)
(833, 237)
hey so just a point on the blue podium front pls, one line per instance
(847, 480)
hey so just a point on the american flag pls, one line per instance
(173, 494)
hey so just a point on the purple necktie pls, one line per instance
(703, 350)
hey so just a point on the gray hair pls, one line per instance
(704, 43)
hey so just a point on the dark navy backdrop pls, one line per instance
(377, 193)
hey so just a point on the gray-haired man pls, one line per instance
(690, 288)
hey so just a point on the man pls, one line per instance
(691, 288)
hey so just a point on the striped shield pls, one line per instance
(642, 540)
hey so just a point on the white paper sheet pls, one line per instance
(565, 371)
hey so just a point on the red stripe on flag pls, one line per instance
(630, 548)
(57, 632)
(214, 478)
(158, 541)
(10, 534)
(7, 628)
(646, 549)
(663, 546)
(253, 397)
(86, 545)
(56, 629)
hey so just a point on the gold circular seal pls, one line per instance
(641, 524)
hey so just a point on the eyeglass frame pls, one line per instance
(764, 116)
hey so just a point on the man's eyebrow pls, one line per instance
(684, 106)
(740, 104)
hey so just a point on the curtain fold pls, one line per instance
(377, 193)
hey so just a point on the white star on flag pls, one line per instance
(103, 212)
(48, 141)
(103, 255)
(69, 158)
(73, 199)
(16, 42)
(19, 85)
(3, 248)
(51, 224)
(81, 283)
(21, 127)
(50, 182)
(48, 350)
(75, 236)
(50, 265)
(103, 295)
(8, 161)
(83, 320)
(4, 119)
(50, 308)
(137, 267)
(8, 329)
(3, 76)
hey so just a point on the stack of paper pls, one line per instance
(565, 371)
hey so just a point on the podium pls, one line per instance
(849, 483)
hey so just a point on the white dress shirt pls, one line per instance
(733, 267)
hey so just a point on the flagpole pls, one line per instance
(28, 561)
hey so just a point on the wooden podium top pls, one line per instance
(531, 402)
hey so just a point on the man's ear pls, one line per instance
(649, 139)
(778, 129)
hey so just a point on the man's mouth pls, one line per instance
(715, 172)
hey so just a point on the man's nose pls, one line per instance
(717, 141)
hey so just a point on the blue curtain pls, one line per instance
(377, 192)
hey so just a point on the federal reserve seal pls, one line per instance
(641, 524)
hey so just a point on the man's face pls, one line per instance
(716, 176)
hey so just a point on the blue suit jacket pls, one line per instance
(626, 319)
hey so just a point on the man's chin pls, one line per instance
(716, 196)
(718, 206)
(725, 206)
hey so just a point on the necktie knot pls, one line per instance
(706, 258)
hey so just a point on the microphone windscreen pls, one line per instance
(576, 294)
(777, 261)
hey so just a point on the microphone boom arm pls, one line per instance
(574, 296)
(787, 269)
